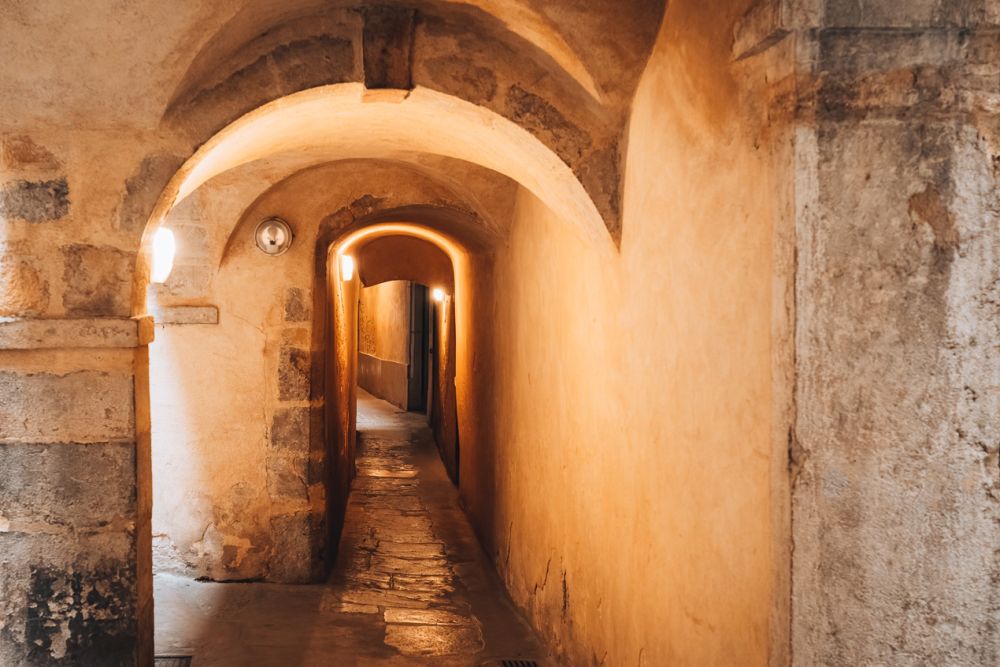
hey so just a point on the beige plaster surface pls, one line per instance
(384, 321)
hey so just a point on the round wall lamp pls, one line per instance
(273, 236)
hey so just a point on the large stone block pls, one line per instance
(22, 153)
(297, 306)
(186, 314)
(388, 50)
(35, 201)
(291, 536)
(68, 599)
(312, 62)
(24, 290)
(142, 189)
(290, 429)
(79, 406)
(71, 485)
(98, 280)
(287, 477)
(82, 333)
(293, 374)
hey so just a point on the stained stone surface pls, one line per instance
(411, 586)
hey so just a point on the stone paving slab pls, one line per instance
(410, 586)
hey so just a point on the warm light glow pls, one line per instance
(346, 267)
(164, 248)
(438, 294)
(453, 250)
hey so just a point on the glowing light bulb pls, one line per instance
(164, 248)
(438, 294)
(346, 267)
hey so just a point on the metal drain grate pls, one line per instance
(517, 663)
(172, 661)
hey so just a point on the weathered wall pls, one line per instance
(236, 430)
(74, 513)
(70, 516)
(384, 341)
(624, 415)
(897, 490)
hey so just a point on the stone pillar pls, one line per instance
(75, 577)
(896, 486)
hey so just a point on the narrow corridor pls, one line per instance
(411, 584)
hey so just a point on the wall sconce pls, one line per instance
(164, 249)
(346, 268)
(437, 294)
(273, 236)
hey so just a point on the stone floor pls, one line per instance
(411, 585)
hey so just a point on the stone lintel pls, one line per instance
(98, 332)
(187, 315)
(388, 47)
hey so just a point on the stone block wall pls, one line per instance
(71, 510)
(237, 425)
(74, 505)
(893, 455)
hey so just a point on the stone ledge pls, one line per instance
(187, 315)
(101, 332)
(766, 24)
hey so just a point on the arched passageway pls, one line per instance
(729, 263)
(538, 287)
(301, 501)
(409, 578)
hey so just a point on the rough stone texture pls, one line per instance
(141, 191)
(298, 54)
(68, 576)
(187, 315)
(82, 405)
(97, 281)
(297, 305)
(290, 428)
(388, 47)
(77, 610)
(24, 288)
(895, 505)
(293, 536)
(55, 334)
(293, 374)
(21, 152)
(41, 201)
(86, 486)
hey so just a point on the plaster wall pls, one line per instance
(238, 490)
(384, 340)
(640, 403)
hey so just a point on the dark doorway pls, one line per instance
(417, 386)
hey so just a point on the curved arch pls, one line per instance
(335, 195)
(519, 18)
(399, 257)
(333, 122)
(369, 233)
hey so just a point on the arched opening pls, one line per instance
(627, 372)
(270, 504)
(407, 322)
